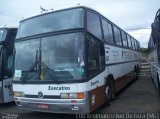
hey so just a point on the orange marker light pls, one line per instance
(80, 95)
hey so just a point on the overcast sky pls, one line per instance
(134, 16)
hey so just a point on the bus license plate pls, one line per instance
(43, 106)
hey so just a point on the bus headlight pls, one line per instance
(18, 94)
(72, 95)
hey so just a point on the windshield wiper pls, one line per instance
(31, 68)
(37, 66)
(49, 71)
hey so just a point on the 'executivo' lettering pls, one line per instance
(58, 88)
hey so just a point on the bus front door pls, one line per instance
(6, 68)
(7, 90)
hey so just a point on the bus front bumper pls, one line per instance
(54, 106)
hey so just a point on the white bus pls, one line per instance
(154, 50)
(7, 36)
(72, 61)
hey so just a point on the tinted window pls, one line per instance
(129, 41)
(96, 57)
(55, 21)
(92, 54)
(132, 43)
(8, 59)
(26, 54)
(12, 36)
(137, 44)
(124, 39)
(63, 54)
(59, 57)
(93, 24)
(93, 60)
(117, 36)
(133, 46)
(108, 34)
(101, 57)
(63, 51)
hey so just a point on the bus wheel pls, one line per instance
(135, 73)
(138, 70)
(108, 93)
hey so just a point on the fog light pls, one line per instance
(18, 94)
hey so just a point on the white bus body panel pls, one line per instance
(120, 61)
(56, 105)
(44, 88)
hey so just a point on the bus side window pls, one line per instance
(124, 39)
(129, 41)
(96, 57)
(93, 24)
(133, 46)
(117, 36)
(107, 29)
(93, 60)
(92, 54)
(8, 63)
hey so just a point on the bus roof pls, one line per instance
(50, 12)
(76, 7)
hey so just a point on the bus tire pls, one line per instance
(135, 73)
(138, 70)
(109, 92)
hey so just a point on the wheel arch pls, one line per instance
(111, 77)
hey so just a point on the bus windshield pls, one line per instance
(55, 21)
(60, 57)
(2, 34)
